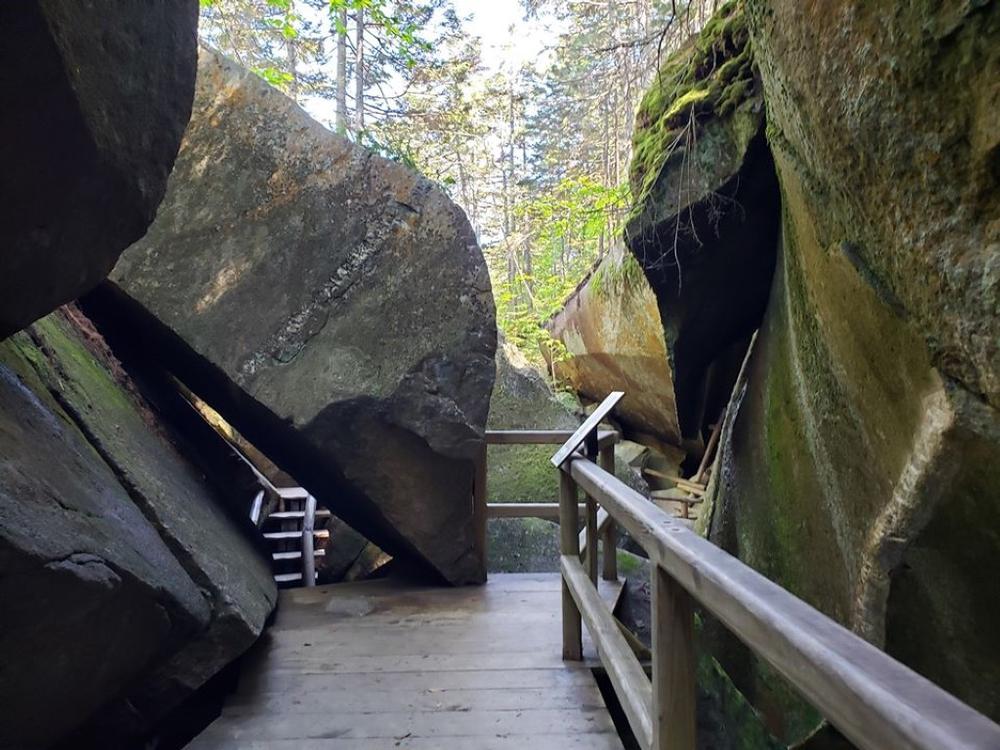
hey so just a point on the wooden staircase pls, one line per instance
(291, 531)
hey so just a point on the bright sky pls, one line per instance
(491, 21)
(506, 38)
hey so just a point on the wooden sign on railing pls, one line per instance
(589, 427)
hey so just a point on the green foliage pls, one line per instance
(563, 231)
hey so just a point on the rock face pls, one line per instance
(96, 98)
(614, 341)
(860, 469)
(331, 305)
(705, 216)
(522, 400)
(125, 586)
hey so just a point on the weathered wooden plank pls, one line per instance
(674, 665)
(264, 683)
(293, 534)
(256, 506)
(295, 554)
(609, 540)
(375, 663)
(297, 514)
(589, 425)
(548, 511)
(479, 510)
(628, 677)
(871, 698)
(543, 437)
(569, 544)
(594, 741)
(292, 493)
(392, 725)
(308, 552)
(347, 698)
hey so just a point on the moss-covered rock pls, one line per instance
(709, 82)
(859, 469)
(703, 225)
(523, 400)
(158, 589)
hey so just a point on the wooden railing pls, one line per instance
(599, 524)
(875, 701)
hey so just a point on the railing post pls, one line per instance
(479, 510)
(308, 552)
(591, 551)
(674, 664)
(606, 460)
(569, 523)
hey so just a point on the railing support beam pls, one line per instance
(609, 543)
(308, 549)
(674, 664)
(479, 509)
(569, 544)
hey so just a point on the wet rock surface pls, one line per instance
(96, 99)
(331, 305)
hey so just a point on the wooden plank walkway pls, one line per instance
(389, 664)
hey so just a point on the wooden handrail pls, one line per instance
(875, 701)
(483, 511)
(543, 437)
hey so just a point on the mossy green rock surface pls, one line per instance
(860, 470)
(125, 585)
(523, 400)
(704, 220)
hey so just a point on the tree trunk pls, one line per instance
(342, 73)
(292, 53)
(359, 71)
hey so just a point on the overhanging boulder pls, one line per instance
(705, 214)
(333, 306)
(96, 98)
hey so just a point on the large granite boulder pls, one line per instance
(333, 306)
(861, 463)
(125, 587)
(96, 98)
(705, 213)
(614, 341)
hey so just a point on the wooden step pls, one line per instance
(286, 514)
(295, 554)
(293, 534)
(288, 577)
(293, 493)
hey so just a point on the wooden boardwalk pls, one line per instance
(387, 664)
